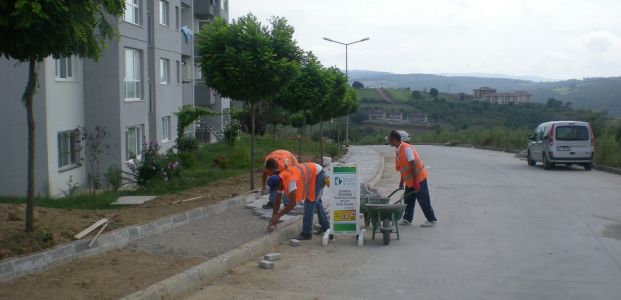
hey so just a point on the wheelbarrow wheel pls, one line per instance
(386, 231)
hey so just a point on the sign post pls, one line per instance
(344, 202)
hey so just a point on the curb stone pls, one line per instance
(192, 279)
(13, 268)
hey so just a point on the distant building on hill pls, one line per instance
(490, 95)
(382, 115)
(417, 117)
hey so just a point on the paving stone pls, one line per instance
(132, 200)
(266, 264)
(272, 256)
(295, 242)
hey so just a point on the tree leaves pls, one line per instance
(41, 28)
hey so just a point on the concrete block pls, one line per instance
(81, 245)
(60, 252)
(181, 218)
(107, 240)
(134, 233)
(132, 200)
(237, 257)
(147, 230)
(195, 214)
(6, 268)
(219, 208)
(179, 284)
(121, 237)
(272, 256)
(163, 224)
(295, 242)
(31, 263)
(266, 264)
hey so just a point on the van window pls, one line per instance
(572, 133)
(546, 133)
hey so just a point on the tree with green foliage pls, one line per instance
(434, 92)
(357, 85)
(249, 62)
(306, 92)
(417, 95)
(33, 30)
(331, 104)
(186, 116)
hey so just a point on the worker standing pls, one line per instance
(414, 177)
(303, 182)
(276, 162)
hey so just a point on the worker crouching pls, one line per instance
(302, 182)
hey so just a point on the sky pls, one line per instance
(554, 39)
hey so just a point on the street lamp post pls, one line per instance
(347, 76)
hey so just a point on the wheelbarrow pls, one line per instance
(382, 215)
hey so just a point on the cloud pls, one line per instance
(600, 41)
(551, 38)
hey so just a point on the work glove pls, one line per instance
(417, 186)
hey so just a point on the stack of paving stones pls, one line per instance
(268, 260)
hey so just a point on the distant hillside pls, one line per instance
(601, 94)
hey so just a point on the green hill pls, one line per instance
(601, 94)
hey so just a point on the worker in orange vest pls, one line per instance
(414, 177)
(302, 182)
(275, 162)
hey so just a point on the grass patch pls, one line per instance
(210, 163)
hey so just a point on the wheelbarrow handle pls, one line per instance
(393, 192)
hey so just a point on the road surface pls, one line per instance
(506, 231)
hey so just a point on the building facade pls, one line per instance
(490, 95)
(142, 78)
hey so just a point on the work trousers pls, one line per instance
(423, 200)
(311, 206)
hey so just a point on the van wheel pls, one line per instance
(546, 164)
(588, 166)
(530, 161)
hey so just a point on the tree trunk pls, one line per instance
(321, 138)
(27, 97)
(301, 135)
(252, 144)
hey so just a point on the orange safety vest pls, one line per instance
(281, 156)
(305, 175)
(403, 166)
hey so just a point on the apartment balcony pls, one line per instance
(203, 95)
(187, 93)
(187, 47)
(206, 9)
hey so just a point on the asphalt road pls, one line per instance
(506, 231)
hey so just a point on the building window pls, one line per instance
(177, 17)
(133, 59)
(164, 71)
(134, 138)
(64, 68)
(164, 12)
(69, 149)
(132, 11)
(166, 129)
(178, 71)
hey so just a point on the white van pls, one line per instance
(562, 142)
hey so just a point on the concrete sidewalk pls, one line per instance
(187, 240)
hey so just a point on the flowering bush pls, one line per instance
(150, 166)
